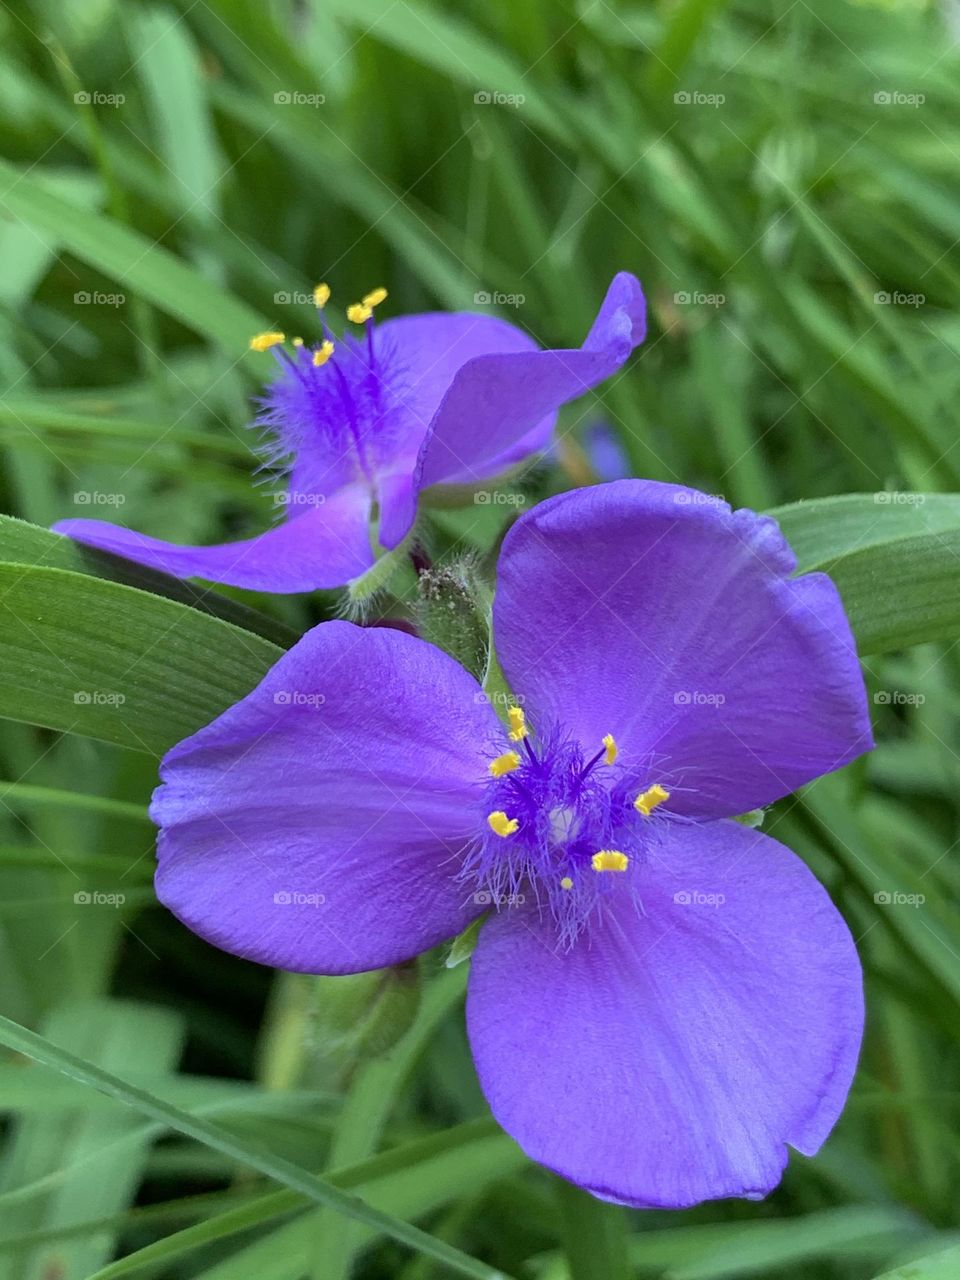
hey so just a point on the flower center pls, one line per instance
(338, 410)
(567, 827)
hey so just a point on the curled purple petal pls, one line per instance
(501, 398)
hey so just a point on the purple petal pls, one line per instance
(398, 507)
(658, 615)
(325, 546)
(497, 400)
(675, 1051)
(367, 410)
(434, 346)
(317, 825)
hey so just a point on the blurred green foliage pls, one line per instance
(176, 175)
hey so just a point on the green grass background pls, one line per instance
(784, 197)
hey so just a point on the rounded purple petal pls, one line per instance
(657, 614)
(318, 824)
(672, 1055)
(325, 546)
(497, 400)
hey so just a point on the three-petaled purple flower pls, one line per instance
(366, 423)
(665, 998)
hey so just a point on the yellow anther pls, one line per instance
(321, 296)
(504, 764)
(648, 800)
(358, 312)
(501, 824)
(323, 353)
(375, 297)
(566, 883)
(610, 754)
(609, 860)
(264, 341)
(518, 724)
(298, 342)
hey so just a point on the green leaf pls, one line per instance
(133, 260)
(29, 544)
(943, 1265)
(464, 944)
(895, 558)
(100, 1173)
(255, 1156)
(594, 1234)
(86, 656)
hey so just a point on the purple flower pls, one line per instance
(365, 423)
(665, 998)
(605, 451)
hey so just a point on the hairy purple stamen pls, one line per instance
(559, 827)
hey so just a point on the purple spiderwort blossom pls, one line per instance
(665, 998)
(366, 423)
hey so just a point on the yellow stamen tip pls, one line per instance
(358, 312)
(610, 754)
(648, 800)
(323, 353)
(501, 824)
(566, 883)
(609, 860)
(298, 342)
(375, 297)
(264, 341)
(518, 724)
(504, 764)
(321, 296)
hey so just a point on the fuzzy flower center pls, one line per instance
(339, 409)
(566, 826)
